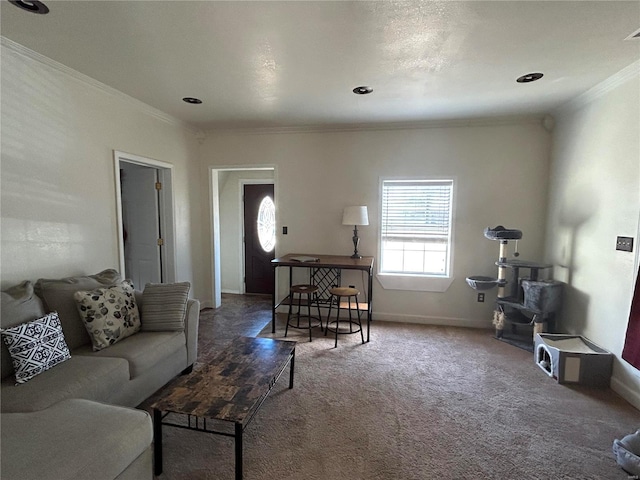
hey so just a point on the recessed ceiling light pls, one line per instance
(32, 6)
(364, 90)
(529, 77)
(191, 100)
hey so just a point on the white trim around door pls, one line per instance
(166, 206)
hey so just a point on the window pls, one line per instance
(267, 224)
(415, 234)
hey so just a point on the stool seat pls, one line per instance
(344, 291)
(304, 288)
(311, 292)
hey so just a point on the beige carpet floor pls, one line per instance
(417, 402)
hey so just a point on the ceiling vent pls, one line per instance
(634, 36)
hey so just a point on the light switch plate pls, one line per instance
(624, 244)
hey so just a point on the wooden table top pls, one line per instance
(324, 261)
(231, 387)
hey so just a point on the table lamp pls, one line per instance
(355, 216)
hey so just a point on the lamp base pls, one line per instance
(356, 241)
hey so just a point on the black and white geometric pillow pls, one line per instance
(36, 346)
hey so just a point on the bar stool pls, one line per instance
(349, 293)
(311, 291)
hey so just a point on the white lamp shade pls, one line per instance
(355, 216)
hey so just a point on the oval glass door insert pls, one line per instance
(267, 224)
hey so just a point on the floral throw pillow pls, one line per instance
(109, 314)
(36, 346)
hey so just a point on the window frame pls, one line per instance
(418, 281)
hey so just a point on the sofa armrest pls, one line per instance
(45, 444)
(191, 325)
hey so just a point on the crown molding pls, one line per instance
(601, 89)
(81, 77)
(364, 127)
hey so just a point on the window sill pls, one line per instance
(416, 283)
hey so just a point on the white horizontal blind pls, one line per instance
(416, 225)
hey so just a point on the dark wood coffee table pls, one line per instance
(231, 388)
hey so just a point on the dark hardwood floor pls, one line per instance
(239, 315)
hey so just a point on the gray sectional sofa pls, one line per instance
(76, 420)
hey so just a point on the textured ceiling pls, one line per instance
(275, 64)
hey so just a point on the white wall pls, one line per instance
(501, 174)
(594, 197)
(58, 187)
(231, 224)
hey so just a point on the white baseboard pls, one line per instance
(625, 392)
(235, 292)
(428, 320)
(419, 319)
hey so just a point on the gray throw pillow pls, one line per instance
(164, 306)
(57, 296)
(19, 305)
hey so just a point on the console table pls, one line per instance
(325, 272)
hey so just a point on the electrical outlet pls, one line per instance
(481, 297)
(624, 244)
(284, 230)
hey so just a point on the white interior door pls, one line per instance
(141, 224)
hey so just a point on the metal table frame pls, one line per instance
(200, 423)
(323, 268)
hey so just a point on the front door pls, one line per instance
(259, 238)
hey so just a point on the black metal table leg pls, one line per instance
(157, 441)
(238, 438)
(292, 365)
(369, 306)
(273, 302)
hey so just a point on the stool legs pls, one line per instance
(286, 329)
(315, 295)
(359, 321)
(309, 313)
(337, 323)
(351, 322)
(309, 317)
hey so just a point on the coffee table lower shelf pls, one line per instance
(266, 359)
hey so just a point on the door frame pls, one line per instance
(165, 206)
(214, 216)
(243, 261)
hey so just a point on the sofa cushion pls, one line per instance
(19, 304)
(142, 350)
(36, 346)
(57, 296)
(164, 306)
(74, 440)
(86, 377)
(109, 314)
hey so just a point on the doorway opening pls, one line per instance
(243, 233)
(146, 235)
